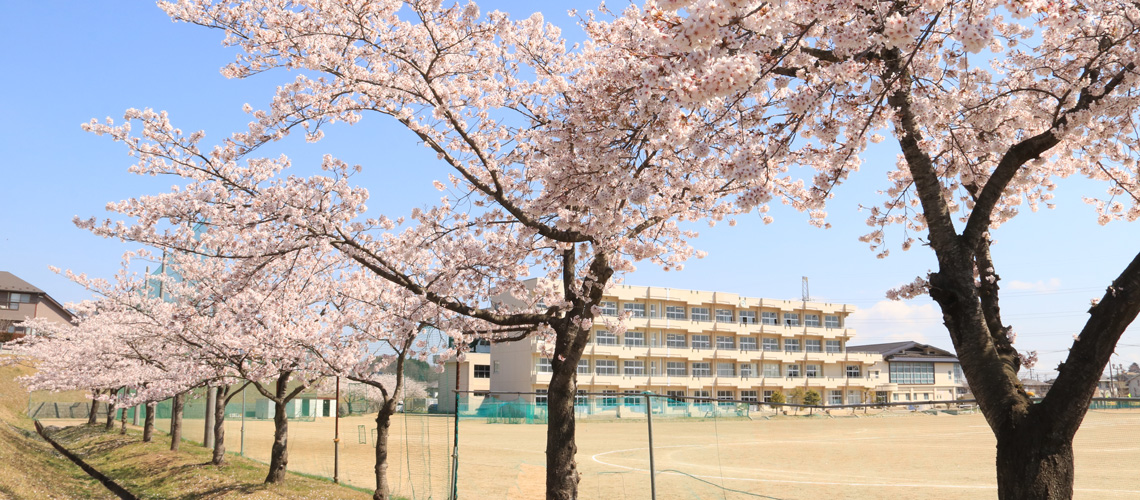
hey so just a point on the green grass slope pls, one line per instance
(31, 469)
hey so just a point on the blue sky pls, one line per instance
(73, 61)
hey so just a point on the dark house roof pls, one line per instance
(10, 283)
(907, 351)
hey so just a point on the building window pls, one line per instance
(830, 321)
(958, 376)
(702, 342)
(834, 346)
(769, 318)
(609, 397)
(10, 300)
(496, 365)
(811, 320)
(768, 396)
(792, 370)
(675, 340)
(726, 397)
(726, 369)
(482, 371)
(747, 317)
(747, 370)
(771, 370)
(609, 308)
(812, 371)
(676, 398)
(747, 343)
(605, 367)
(581, 399)
(749, 396)
(634, 398)
(702, 369)
(699, 313)
(724, 315)
(791, 345)
(791, 319)
(540, 397)
(912, 373)
(725, 342)
(634, 338)
(771, 345)
(675, 368)
(675, 312)
(853, 397)
(814, 346)
(635, 310)
(633, 367)
(605, 337)
(584, 366)
(834, 397)
(853, 371)
(544, 366)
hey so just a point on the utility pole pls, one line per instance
(1111, 382)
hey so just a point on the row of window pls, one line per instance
(633, 338)
(679, 398)
(9, 300)
(912, 373)
(694, 369)
(637, 310)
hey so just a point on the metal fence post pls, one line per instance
(455, 448)
(649, 424)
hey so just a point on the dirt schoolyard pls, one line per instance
(891, 455)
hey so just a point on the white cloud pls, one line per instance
(897, 321)
(1039, 286)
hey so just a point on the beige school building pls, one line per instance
(717, 345)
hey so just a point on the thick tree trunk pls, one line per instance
(110, 416)
(279, 456)
(93, 417)
(383, 423)
(569, 343)
(219, 428)
(561, 469)
(1034, 467)
(176, 422)
(148, 423)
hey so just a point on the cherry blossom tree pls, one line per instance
(982, 136)
(551, 166)
(385, 326)
(258, 322)
(130, 333)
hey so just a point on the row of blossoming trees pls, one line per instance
(215, 323)
(577, 162)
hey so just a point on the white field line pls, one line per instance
(818, 483)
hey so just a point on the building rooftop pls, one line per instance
(11, 283)
(906, 351)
